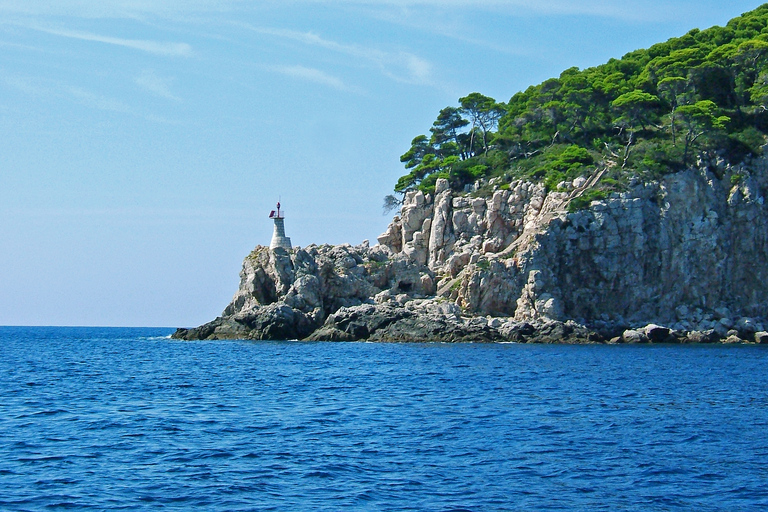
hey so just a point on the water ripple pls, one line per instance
(127, 419)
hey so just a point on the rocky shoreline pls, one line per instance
(680, 260)
(422, 321)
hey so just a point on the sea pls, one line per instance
(129, 419)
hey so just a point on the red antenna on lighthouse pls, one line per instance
(275, 214)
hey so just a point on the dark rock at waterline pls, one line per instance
(388, 322)
(273, 322)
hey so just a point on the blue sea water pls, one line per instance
(127, 419)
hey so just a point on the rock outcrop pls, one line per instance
(682, 259)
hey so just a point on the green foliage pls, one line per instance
(572, 157)
(651, 159)
(427, 185)
(446, 132)
(460, 148)
(635, 108)
(699, 118)
(563, 163)
(373, 266)
(483, 264)
(651, 112)
(477, 171)
(414, 156)
(748, 141)
(584, 200)
(484, 113)
(552, 178)
(635, 99)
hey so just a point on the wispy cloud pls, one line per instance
(116, 8)
(54, 90)
(156, 47)
(20, 46)
(137, 8)
(627, 9)
(418, 69)
(312, 75)
(635, 10)
(105, 103)
(156, 85)
(25, 84)
(98, 101)
(401, 66)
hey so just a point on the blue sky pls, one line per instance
(144, 142)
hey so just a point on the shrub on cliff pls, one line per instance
(699, 97)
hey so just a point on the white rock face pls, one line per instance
(413, 214)
(441, 237)
(660, 252)
(393, 236)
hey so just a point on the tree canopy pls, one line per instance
(701, 97)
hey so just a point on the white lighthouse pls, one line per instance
(278, 236)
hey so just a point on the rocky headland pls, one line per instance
(681, 259)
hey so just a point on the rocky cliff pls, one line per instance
(678, 259)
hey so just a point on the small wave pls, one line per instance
(710, 476)
(217, 454)
(318, 474)
(365, 496)
(42, 458)
(49, 413)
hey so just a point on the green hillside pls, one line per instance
(693, 100)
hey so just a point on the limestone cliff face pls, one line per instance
(688, 252)
(659, 252)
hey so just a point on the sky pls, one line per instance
(143, 143)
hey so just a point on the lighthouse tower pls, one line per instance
(278, 237)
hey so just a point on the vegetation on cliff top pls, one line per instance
(696, 99)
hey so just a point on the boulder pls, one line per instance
(722, 329)
(708, 336)
(746, 327)
(632, 336)
(656, 333)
